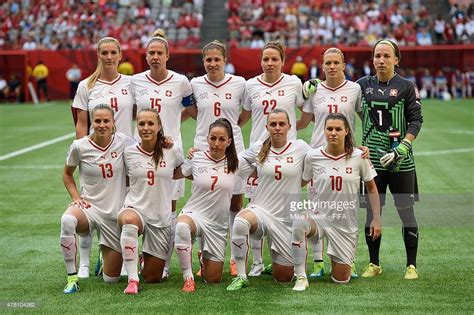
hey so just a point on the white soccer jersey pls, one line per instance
(279, 177)
(212, 187)
(337, 182)
(345, 99)
(151, 187)
(218, 100)
(262, 98)
(116, 94)
(101, 172)
(168, 97)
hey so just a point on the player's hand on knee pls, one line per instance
(81, 203)
(310, 87)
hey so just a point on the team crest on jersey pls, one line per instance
(344, 99)
(202, 169)
(228, 96)
(289, 159)
(162, 163)
(369, 90)
(141, 92)
(318, 170)
(136, 165)
(124, 92)
(168, 93)
(281, 93)
(348, 170)
(393, 92)
(203, 95)
(113, 154)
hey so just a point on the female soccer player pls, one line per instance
(206, 214)
(279, 164)
(266, 92)
(102, 178)
(104, 86)
(150, 166)
(334, 95)
(391, 112)
(337, 169)
(219, 95)
(169, 93)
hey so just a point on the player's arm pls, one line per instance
(244, 117)
(82, 122)
(189, 111)
(178, 174)
(413, 114)
(304, 120)
(376, 224)
(71, 187)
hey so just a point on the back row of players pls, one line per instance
(387, 104)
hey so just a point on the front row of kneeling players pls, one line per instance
(105, 159)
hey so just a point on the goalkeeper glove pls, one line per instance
(392, 160)
(310, 87)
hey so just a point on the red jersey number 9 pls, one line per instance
(151, 178)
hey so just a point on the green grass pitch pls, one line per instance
(32, 199)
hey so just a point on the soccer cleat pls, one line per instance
(83, 272)
(301, 284)
(411, 273)
(132, 287)
(318, 270)
(99, 265)
(267, 270)
(372, 271)
(189, 286)
(256, 269)
(166, 273)
(354, 274)
(233, 268)
(72, 285)
(238, 283)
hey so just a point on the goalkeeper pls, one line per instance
(391, 120)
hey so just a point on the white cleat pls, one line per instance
(256, 269)
(83, 272)
(166, 273)
(301, 284)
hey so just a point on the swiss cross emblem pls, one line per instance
(289, 159)
(349, 170)
(162, 163)
(343, 98)
(393, 92)
(228, 96)
(113, 154)
(281, 93)
(124, 92)
(168, 93)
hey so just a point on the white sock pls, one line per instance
(240, 244)
(317, 249)
(171, 242)
(257, 245)
(85, 245)
(183, 248)
(67, 242)
(129, 245)
(232, 216)
(299, 245)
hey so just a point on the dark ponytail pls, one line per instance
(230, 151)
(349, 142)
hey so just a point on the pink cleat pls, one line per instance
(132, 287)
(189, 286)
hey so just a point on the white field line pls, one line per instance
(450, 131)
(444, 152)
(36, 146)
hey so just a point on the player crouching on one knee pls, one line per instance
(337, 169)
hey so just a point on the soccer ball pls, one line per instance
(446, 96)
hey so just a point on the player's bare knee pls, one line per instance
(211, 278)
(152, 278)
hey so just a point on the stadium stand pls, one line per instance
(68, 24)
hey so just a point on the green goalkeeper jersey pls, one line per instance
(395, 104)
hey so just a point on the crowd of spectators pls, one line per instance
(353, 23)
(71, 24)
